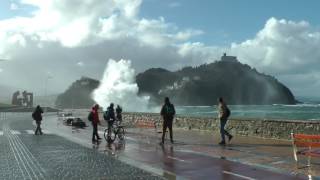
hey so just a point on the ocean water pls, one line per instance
(283, 112)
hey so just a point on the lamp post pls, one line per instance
(45, 89)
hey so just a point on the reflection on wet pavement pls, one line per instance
(194, 155)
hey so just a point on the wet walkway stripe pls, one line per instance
(17, 156)
(238, 175)
(27, 158)
(15, 132)
(21, 132)
(178, 159)
(27, 163)
(32, 159)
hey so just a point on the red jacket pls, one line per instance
(95, 116)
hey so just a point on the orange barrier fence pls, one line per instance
(307, 145)
(306, 136)
(146, 124)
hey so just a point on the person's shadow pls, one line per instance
(96, 144)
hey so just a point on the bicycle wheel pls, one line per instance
(121, 133)
(113, 134)
(105, 134)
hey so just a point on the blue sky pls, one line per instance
(7, 12)
(277, 37)
(225, 21)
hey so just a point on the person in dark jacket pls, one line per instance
(119, 113)
(167, 113)
(95, 122)
(110, 117)
(37, 116)
(223, 115)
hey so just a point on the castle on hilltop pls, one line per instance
(226, 58)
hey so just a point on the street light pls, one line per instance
(45, 88)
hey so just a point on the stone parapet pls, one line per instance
(278, 129)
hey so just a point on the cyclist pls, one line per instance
(109, 117)
(119, 114)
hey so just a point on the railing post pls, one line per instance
(294, 148)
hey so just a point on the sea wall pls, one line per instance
(278, 129)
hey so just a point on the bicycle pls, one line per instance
(115, 130)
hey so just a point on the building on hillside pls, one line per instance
(226, 58)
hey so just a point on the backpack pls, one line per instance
(106, 115)
(90, 116)
(34, 115)
(169, 110)
(228, 112)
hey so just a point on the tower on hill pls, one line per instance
(226, 58)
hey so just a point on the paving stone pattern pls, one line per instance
(28, 156)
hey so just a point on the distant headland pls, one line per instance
(238, 83)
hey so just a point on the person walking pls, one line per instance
(37, 116)
(167, 113)
(223, 115)
(95, 121)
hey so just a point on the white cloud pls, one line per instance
(14, 6)
(282, 47)
(60, 31)
(286, 49)
(92, 31)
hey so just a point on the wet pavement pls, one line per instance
(26, 156)
(68, 153)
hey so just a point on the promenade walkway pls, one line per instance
(270, 154)
(197, 155)
(68, 153)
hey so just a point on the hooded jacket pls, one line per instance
(95, 113)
